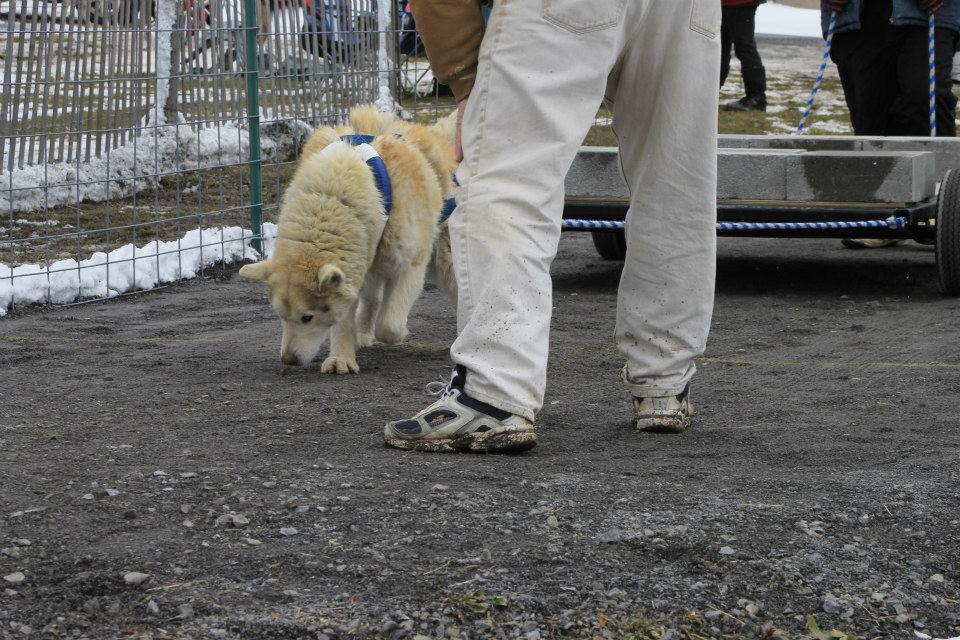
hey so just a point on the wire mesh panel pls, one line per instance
(125, 130)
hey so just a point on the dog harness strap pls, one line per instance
(377, 166)
(449, 205)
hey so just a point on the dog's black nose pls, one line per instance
(290, 359)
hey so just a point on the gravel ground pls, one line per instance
(162, 479)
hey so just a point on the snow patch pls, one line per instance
(140, 163)
(385, 101)
(165, 19)
(781, 20)
(129, 268)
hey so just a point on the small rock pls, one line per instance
(713, 614)
(533, 635)
(135, 577)
(16, 577)
(937, 577)
(188, 523)
(185, 612)
(159, 473)
(253, 542)
(9, 592)
(288, 531)
(832, 604)
(152, 608)
(130, 514)
(189, 474)
(186, 508)
(611, 536)
(232, 520)
(22, 542)
(269, 484)
(727, 551)
(10, 552)
(439, 487)
(87, 496)
(752, 610)
(864, 519)
(552, 522)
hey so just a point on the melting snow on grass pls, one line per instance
(129, 268)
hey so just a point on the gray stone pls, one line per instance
(752, 174)
(135, 577)
(611, 536)
(845, 176)
(783, 169)
(16, 577)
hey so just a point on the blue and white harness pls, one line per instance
(381, 176)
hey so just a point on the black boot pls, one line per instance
(755, 82)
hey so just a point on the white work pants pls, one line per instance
(545, 66)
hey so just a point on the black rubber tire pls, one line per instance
(611, 245)
(948, 233)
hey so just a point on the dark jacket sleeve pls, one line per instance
(451, 31)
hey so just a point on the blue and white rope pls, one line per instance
(932, 61)
(893, 222)
(823, 67)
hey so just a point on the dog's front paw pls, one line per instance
(365, 339)
(340, 366)
(392, 335)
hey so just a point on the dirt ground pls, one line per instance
(155, 434)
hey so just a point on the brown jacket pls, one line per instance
(451, 31)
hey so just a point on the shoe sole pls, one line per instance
(484, 442)
(666, 424)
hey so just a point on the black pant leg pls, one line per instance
(743, 26)
(910, 109)
(726, 41)
(946, 47)
(844, 45)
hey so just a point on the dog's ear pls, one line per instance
(258, 271)
(330, 278)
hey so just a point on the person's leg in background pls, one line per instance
(909, 112)
(842, 52)
(743, 26)
(542, 71)
(726, 44)
(664, 116)
(946, 44)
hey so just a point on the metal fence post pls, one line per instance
(250, 16)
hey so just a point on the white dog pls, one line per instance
(348, 262)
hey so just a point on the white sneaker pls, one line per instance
(458, 423)
(671, 414)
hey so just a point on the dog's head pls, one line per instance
(309, 300)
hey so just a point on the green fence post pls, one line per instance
(250, 29)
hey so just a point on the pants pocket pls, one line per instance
(705, 17)
(583, 16)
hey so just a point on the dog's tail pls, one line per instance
(368, 120)
(448, 127)
(441, 264)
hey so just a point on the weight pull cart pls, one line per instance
(809, 187)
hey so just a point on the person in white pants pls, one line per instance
(542, 70)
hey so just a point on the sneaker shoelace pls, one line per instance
(440, 389)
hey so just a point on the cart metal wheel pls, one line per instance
(611, 245)
(948, 233)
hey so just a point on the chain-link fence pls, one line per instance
(142, 141)
(145, 141)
